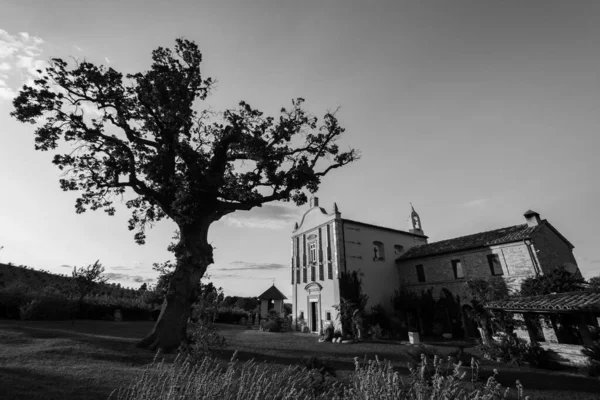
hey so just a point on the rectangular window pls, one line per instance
(297, 273)
(312, 272)
(304, 273)
(494, 263)
(297, 252)
(459, 273)
(303, 249)
(293, 272)
(328, 316)
(312, 252)
(321, 267)
(329, 260)
(301, 315)
(420, 273)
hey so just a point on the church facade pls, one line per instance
(324, 245)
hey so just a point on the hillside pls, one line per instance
(40, 280)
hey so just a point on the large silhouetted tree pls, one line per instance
(142, 134)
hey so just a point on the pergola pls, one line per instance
(569, 317)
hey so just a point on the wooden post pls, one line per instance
(582, 327)
(520, 330)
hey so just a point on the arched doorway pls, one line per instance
(314, 306)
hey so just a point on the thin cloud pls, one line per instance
(235, 276)
(475, 203)
(19, 61)
(77, 47)
(121, 268)
(247, 266)
(65, 266)
(269, 216)
(107, 60)
(7, 93)
(114, 276)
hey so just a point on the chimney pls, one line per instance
(533, 218)
(314, 202)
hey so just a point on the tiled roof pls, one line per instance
(272, 293)
(572, 301)
(483, 239)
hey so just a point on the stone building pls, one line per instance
(513, 253)
(324, 245)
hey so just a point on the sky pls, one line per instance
(474, 111)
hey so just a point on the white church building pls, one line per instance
(324, 245)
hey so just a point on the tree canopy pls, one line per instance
(147, 136)
(558, 281)
(141, 137)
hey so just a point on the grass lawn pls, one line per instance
(55, 360)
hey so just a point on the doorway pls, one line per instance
(313, 316)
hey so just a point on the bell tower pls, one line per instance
(415, 222)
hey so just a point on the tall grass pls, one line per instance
(374, 379)
(209, 379)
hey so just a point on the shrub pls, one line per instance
(44, 308)
(513, 350)
(592, 351)
(272, 326)
(230, 315)
(203, 340)
(27, 310)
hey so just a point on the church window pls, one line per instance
(420, 273)
(457, 267)
(398, 249)
(378, 251)
(303, 250)
(304, 274)
(494, 263)
(321, 267)
(312, 252)
(329, 260)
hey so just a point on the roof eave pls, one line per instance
(384, 227)
(460, 250)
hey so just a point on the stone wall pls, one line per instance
(514, 258)
(553, 250)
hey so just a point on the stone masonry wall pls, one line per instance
(553, 250)
(514, 258)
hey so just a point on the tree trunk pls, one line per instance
(193, 255)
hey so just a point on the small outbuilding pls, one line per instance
(271, 299)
